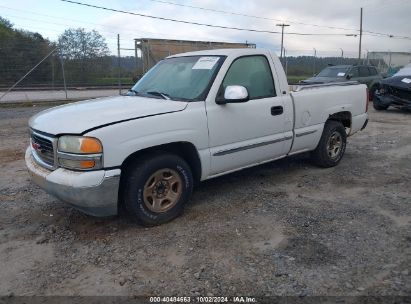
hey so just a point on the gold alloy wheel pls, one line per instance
(334, 144)
(162, 190)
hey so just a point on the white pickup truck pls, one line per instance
(192, 117)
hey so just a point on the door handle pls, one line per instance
(277, 110)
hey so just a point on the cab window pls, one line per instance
(373, 71)
(354, 72)
(252, 72)
(364, 72)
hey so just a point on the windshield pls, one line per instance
(333, 72)
(180, 78)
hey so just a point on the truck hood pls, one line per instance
(402, 82)
(76, 118)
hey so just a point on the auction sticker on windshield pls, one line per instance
(341, 74)
(205, 63)
(406, 80)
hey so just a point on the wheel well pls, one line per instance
(185, 150)
(375, 84)
(343, 117)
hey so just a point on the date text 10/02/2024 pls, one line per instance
(199, 299)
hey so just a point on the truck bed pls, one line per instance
(301, 86)
(313, 104)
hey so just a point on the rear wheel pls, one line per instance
(157, 188)
(331, 147)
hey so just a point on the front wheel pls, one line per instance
(157, 188)
(331, 147)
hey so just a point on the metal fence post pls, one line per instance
(136, 57)
(52, 71)
(64, 74)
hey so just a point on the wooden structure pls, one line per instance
(153, 50)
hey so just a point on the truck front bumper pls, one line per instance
(92, 192)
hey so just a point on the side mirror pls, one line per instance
(348, 76)
(234, 94)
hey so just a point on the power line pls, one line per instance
(281, 20)
(169, 19)
(112, 45)
(54, 30)
(61, 18)
(252, 16)
(96, 24)
(196, 23)
(303, 34)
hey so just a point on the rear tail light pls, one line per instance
(367, 100)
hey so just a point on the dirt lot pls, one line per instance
(285, 228)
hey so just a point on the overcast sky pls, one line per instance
(51, 17)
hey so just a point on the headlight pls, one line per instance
(79, 144)
(79, 152)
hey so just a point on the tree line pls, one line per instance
(83, 55)
(85, 59)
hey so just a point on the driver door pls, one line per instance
(246, 133)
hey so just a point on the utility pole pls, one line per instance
(282, 37)
(359, 49)
(119, 64)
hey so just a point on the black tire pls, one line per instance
(378, 107)
(372, 91)
(321, 155)
(136, 202)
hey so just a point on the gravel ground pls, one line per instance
(284, 228)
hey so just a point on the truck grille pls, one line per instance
(43, 149)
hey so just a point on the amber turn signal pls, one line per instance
(87, 164)
(90, 145)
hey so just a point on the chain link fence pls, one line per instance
(390, 62)
(54, 77)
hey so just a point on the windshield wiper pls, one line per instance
(162, 95)
(133, 91)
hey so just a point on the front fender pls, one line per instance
(123, 139)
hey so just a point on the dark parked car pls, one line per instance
(394, 91)
(365, 74)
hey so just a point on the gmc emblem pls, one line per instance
(37, 147)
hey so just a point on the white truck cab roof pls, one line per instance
(225, 52)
